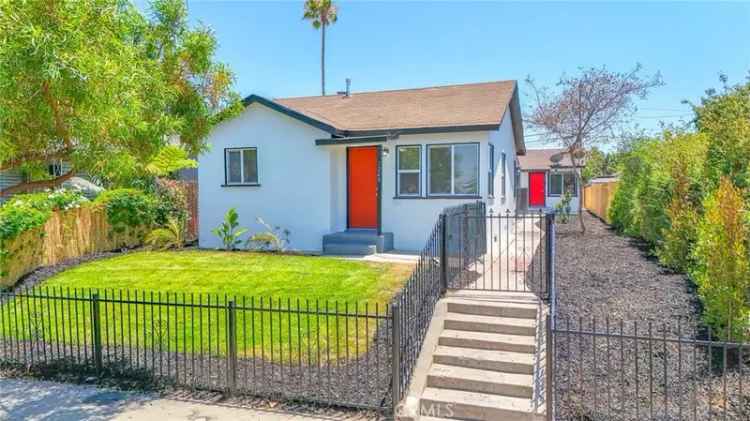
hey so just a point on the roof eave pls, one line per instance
(424, 130)
(291, 113)
(516, 119)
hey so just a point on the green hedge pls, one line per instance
(28, 211)
(687, 195)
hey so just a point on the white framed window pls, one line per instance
(55, 168)
(491, 176)
(453, 169)
(409, 170)
(504, 168)
(562, 182)
(241, 166)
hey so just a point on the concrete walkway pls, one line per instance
(25, 399)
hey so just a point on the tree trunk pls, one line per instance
(579, 181)
(323, 60)
(37, 185)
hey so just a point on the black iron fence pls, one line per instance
(498, 252)
(616, 370)
(316, 351)
(413, 307)
(358, 355)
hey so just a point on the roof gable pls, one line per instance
(454, 108)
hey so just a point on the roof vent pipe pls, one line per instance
(348, 87)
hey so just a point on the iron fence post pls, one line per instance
(231, 347)
(443, 253)
(396, 358)
(549, 252)
(96, 332)
(550, 375)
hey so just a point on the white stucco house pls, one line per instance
(364, 171)
(545, 175)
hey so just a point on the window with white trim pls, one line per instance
(562, 182)
(409, 170)
(241, 166)
(504, 167)
(491, 174)
(453, 169)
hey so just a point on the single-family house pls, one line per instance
(545, 176)
(358, 172)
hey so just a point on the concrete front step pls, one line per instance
(481, 381)
(488, 341)
(349, 249)
(507, 362)
(488, 308)
(456, 404)
(357, 241)
(490, 324)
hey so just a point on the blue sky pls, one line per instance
(390, 45)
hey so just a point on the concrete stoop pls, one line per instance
(482, 367)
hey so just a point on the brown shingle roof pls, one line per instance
(476, 104)
(539, 159)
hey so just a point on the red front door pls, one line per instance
(536, 188)
(363, 187)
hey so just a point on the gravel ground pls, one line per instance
(652, 371)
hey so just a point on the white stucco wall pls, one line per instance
(303, 186)
(504, 141)
(294, 176)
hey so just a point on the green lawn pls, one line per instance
(207, 277)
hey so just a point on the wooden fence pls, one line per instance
(66, 235)
(598, 196)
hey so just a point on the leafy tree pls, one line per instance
(321, 13)
(170, 159)
(586, 108)
(723, 269)
(97, 84)
(725, 118)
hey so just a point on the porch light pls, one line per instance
(386, 151)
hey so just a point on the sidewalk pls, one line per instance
(25, 399)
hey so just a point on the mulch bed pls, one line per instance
(605, 278)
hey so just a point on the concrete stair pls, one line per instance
(357, 242)
(483, 366)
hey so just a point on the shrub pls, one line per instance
(28, 211)
(128, 208)
(171, 202)
(229, 231)
(273, 239)
(172, 235)
(562, 209)
(722, 270)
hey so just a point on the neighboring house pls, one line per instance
(352, 173)
(543, 182)
(12, 177)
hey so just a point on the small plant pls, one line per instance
(170, 236)
(273, 239)
(229, 232)
(562, 209)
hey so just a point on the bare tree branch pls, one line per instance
(587, 107)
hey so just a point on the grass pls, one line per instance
(273, 294)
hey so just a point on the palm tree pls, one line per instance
(321, 13)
